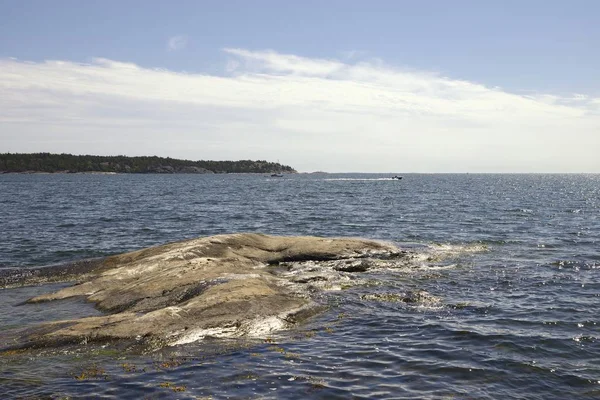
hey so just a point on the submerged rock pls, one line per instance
(225, 285)
(419, 297)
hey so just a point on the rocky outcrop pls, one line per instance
(225, 285)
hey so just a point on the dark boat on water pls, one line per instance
(396, 177)
(277, 175)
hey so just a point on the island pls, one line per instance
(229, 285)
(69, 163)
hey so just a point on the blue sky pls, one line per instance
(542, 52)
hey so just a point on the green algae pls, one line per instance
(92, 371)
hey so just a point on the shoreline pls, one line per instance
(137, 173)
(225, 286)
(58, 172)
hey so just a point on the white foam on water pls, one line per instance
(258, 327)
(437, 267)
(200, 334)
(455, 249)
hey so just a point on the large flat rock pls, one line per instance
(214, 286)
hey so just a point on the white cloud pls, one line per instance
(178, 42)
(313, 114)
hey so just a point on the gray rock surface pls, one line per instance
(219, 286)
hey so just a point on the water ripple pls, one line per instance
(513, 260)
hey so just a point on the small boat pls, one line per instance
(277, 175)
(396, 177)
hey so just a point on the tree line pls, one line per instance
(48, 162)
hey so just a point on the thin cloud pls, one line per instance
(313, 113)
(352, 54)
(178, 42)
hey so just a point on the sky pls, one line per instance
(338, 86)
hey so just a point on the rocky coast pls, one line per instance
(231, 285)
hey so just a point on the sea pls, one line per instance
(514, 260)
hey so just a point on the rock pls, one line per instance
(17, 277)
(419, 297)
(357, 266)
(182, 292)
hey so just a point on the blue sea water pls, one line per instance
(514, 258)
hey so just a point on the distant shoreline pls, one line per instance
(32, 163)
(136, 173)
(59, 172)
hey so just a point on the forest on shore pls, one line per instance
(68, 163)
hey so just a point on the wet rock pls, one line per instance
(356, 266)
(308, 279)
(386, 297)
(219, 286)
(15, 277)
(420, 297)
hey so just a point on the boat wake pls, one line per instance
(360, 179)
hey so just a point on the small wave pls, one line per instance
(575, 265)
(461, 248)
(438, 267)
(521, 210)
(359, 179)
(455, 249)
(66, 225)
(584, 338)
